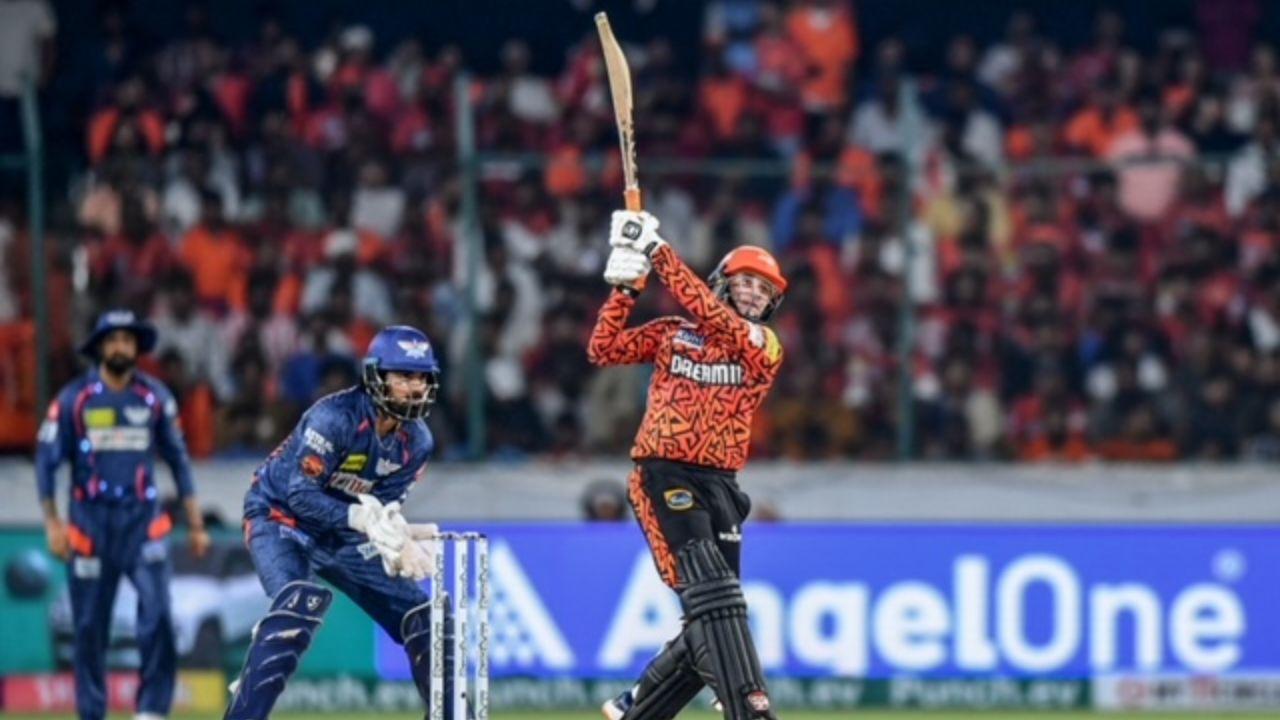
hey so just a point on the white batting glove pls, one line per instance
(635, 231)
(626, 267)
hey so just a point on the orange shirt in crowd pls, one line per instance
(723, 99)
(219, 263)
(565, 175)
(1073, 449)
(103, 126)
(1089, 130)
(1155, 450)
(828, 38)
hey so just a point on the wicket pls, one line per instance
(460, 629)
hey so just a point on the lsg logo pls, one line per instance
(979, 622)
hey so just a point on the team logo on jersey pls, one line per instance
(386, 467)
(312, 466)
(685, 336)
(707, 373)
(678, 499)
(137, 415)
(416, 349)
(354, 463)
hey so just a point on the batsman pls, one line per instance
(326, 503)
(711, 372)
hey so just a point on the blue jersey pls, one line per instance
(111, 438)
(332, 456)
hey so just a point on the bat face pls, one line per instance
(620, 88)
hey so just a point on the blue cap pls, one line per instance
(113, 320)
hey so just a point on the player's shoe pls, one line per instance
(148, 716)
(615, 708)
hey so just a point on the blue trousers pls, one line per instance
(282, 555)
(110, 542)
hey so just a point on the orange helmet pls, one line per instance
(752, 259)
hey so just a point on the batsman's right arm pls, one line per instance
(613, 344)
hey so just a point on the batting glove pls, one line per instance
(626, 268)
(635, 231)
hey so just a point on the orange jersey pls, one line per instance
(710, 373)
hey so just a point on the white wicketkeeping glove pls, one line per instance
(416, 559)
(635, 231)
(626, 267)
(378, 522)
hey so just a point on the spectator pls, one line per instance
(215, 255)
(192, 331)
(1149, 162)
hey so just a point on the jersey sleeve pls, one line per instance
(613, 343)
(171, 445)
(759, 345)
(319, 451)
(55, 442)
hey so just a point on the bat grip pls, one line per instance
(632, 198)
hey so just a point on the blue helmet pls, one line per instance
(113, 320)
(404, 349)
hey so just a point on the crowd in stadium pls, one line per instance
(271, 204)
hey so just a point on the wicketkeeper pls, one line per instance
(326, 503)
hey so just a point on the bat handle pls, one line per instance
(632, 198)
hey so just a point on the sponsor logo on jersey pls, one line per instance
(678, 499)
(685, 336)
(312, 466)
(386, 467)
(317, 442)
(100, 417)
(119, 439)
(354, 463)
(137, 414)
(350, 484)
(706, 373)
(415, 349)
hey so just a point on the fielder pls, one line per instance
(710, 375)
(326, 503)
(110, 423)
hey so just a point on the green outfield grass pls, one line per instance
(795, 715)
